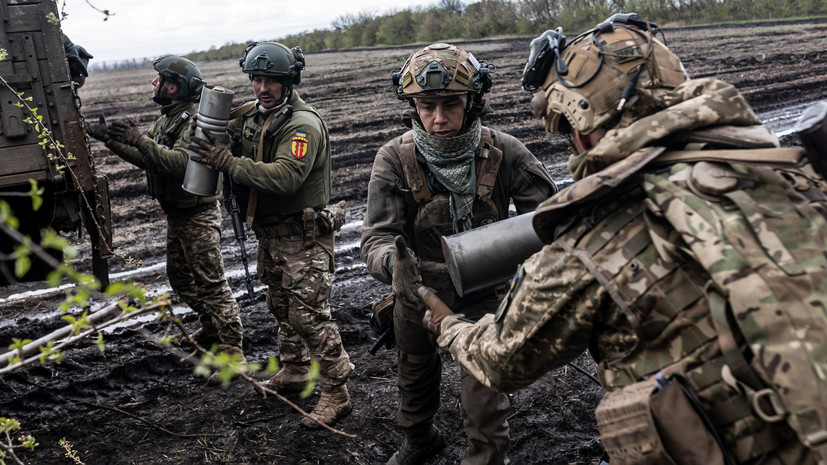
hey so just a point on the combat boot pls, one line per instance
(291, 378)
(334, 403)
(205, 337)
(414, 452)
(215, 378)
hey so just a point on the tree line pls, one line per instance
(452, 20)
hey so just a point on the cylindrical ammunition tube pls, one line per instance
(213, 116)
(489, 255)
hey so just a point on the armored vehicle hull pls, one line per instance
(75, 196)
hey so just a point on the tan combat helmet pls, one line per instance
(592, 79)
(441, 70)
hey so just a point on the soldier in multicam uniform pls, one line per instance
(195, 267)
(448, 174)
(282, 165)
(617, 277)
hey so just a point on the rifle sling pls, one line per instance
(787, 156)
(167, 140)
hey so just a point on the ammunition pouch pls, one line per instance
(657, 421)
(381, 322)
(309, 226)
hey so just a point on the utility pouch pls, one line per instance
(309, 226)
(652, 422)
(381, 322)
(382, 313)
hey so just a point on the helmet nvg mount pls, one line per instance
(441, 70)
(273, 59)
(182, 72)
(586, 82)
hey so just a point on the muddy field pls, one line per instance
(137, 403)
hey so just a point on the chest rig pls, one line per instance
(164, 187)
(432, 218)
(256, 142)
(672, 298)
(430, 215)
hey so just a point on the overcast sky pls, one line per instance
(151, 28)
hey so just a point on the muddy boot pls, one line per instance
(205, 337)
(334, 403)
(416, 452)
(291, 378)
(215, 378)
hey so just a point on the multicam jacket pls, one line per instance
(617, 278)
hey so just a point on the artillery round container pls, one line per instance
(489, 255)
(213, 116)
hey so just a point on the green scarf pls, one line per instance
(451, 161)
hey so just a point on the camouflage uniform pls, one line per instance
(195, 267)
(295, 256)
(615, 278)
(393, 210)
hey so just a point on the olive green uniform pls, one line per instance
(617, 279)
(392, 209)
(295, 254)
(195, 267)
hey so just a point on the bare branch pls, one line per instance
(71, 340)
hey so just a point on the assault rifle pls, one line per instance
(240, 232)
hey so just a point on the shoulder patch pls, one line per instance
(298, 145)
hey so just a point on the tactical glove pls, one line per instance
(98, 131)
(125, 132)
(77, 57)
(406, 278)
(437, 310)
(213, 153)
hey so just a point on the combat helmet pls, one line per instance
(441, 70)
(274, 60)
(182, 72)
(587, 82)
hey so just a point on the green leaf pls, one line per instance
(18, 343)
(22, 265)
(8, 424)
(272, 365)
(312, 376)
(54, 276)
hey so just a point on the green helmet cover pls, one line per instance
(182, 72)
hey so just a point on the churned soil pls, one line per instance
(139, 403)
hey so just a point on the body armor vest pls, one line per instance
(668, 297)
(315, 190)
(432, 218)
(166, 188)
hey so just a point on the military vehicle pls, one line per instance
(75, 196)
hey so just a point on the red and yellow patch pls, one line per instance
(298, 145)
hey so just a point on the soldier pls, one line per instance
(281, 160)
(195, 267)
(448, 174)
(641, 265)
